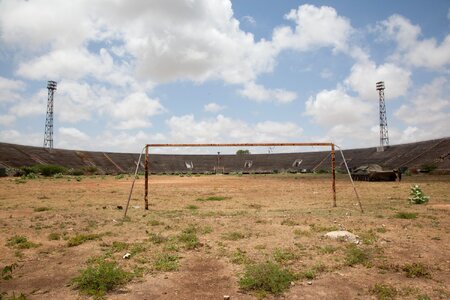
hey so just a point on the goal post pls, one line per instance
(323, 144)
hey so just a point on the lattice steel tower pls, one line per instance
(384, 136)
(48, 136)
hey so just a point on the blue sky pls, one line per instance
(136, 72)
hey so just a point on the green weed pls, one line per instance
(82, 238)
(416, 270)
(20, 242)
(166, 262)
(266, 277)
(101, 277)
(355, 256)
(405, 215)
(384, 291)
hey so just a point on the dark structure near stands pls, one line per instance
(434, 153)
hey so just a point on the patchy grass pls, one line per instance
(82, 238)
(283, 256)
(192, 207)
(42, 208)
(368, 237)
(155, 223)
(101, 277)
(311, 273)
(416, 270)
(384, 291)
(327, 249)
(54, 236)
(213, 198)
(289, 222)
(405, 215)
(233, 236)
(320, 228)
(355, 256)
(166, 262)
(157, 238)
(240, 257)
(189, 238)
(20, 242)
(266, 277)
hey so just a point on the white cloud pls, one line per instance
(411, 49)
(249, 19)
(326, 74)
(365, 74)
(7, 120)
(431, 104)
(259, 93)
(223, 129)
(72, 133)
(213, 107)
(137, 105)
(10, 89)
(315, 27)
(35, 105)
(333, 107)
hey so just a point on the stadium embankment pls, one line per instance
(432, 154)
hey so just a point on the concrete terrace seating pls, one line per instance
(413, 155)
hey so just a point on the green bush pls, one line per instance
(20, 242)
(50, 170)
(384, 291)
(82, 238)
(416, 270)
(100, 278)
(417, 196)
(266, 277)
(405, 215)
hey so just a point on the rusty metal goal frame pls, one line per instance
(146, 164)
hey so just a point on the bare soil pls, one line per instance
(262, 217)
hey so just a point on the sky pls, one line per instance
(132, 72)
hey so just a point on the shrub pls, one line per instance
(417, 196)
(54, 236)
(405, 215)
(82, 238)
(50, 170)
(166, 262)
(416, 270)
(283, 255)
(266, 277)
(20, 242)
(100, 278)
(384, 291)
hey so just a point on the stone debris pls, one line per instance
(344, 235)
(127, 256)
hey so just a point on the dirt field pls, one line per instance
(239, 221)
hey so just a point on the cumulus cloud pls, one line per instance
(365, 74)
(331, 107)
(72, 133)
(430, 105)
(334, 30)
(213, 107)
(10, 89)
(224, 129)
(7, 120)
(259, 93)
(411, 49)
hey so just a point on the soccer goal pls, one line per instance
(248, 163)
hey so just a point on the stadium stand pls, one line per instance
(413, 155)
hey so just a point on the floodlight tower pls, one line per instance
(384, 137)
(48, 136)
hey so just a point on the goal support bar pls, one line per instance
(324, 144)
